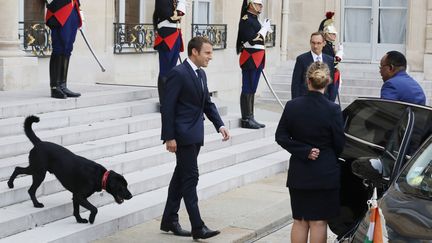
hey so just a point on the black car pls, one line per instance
(384, 150)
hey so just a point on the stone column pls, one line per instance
(284, 39)
(16, 69)
(428, 50)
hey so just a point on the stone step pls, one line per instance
(126, 163)
(110, 146)
(60, 119)
(22, 216)
(18, 104)
(20, 144)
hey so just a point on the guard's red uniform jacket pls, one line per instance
(58, 12)
(250, 43)
(167, 25)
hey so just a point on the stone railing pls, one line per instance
(133, 38)
(216, 33)
(270, 40)
(35, 38)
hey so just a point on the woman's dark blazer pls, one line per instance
(312, 121)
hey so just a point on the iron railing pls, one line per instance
(133, 38)
(35, 37)
(216, 33)
(270, 40)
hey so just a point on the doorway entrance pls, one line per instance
(370, 28)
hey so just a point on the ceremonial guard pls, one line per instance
(331, 49)
(250, 46)
(168, 42)
(64, 18)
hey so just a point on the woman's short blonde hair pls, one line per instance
(318, 73)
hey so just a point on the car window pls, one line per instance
(416, 178)
(374, 120)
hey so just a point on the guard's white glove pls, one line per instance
(181, 7)
(83, 20)
(265, 28)
(340, 52)
(175, 16)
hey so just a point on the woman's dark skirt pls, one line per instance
(320, 204)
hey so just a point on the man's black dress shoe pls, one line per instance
(174, 227)
(204, 233)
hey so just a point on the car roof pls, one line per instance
(395, 101)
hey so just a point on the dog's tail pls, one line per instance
(28, 129)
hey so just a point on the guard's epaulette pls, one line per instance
(245, 17)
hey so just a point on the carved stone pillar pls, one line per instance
(16, 69)
(285, 22)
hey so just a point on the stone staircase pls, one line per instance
(118, 127)
(358, 80)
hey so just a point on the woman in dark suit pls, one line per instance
(311, 129)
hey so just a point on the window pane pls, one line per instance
(394, 3)
(417, 176)
(358, 2)
(203, 12)
(357, 25)
(392, 26)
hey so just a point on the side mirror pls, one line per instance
(368, 168)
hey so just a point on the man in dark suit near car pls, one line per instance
(298, 84)
(186, 101)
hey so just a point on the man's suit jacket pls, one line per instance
(185, 103)
(312, 121)
(402, 87)
(298, 83)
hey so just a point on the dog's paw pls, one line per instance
(92, 219)
(38, 205)
(10, 184)
(82, 221)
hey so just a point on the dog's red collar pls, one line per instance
(104, 179)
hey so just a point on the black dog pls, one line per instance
(79, 175)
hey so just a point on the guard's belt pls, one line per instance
(256, 46)
(168, 24)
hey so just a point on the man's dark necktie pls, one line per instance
(200, 77)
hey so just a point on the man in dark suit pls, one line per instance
(185, 103)
(298, 84)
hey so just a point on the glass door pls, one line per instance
(370, 28)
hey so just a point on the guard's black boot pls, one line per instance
(247, 114)
(161, 90)
(251, 101)
(63, 80)
(55, 75)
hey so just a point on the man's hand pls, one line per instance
(225, 133)
(171, 145)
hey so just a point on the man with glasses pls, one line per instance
(398, 85)
(298, 83)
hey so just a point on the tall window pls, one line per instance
(134, 11)
(31, 10)
(202, 13)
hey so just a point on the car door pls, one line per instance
(374, 129)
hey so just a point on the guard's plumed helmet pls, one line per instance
(330, 29)
(256, 1)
